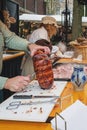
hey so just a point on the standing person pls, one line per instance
(11, 40)
(47, 30)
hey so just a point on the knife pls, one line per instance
(31, 96)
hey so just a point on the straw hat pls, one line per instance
(49, 20)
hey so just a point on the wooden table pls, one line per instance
(72, 96)
(72, 60)
(13, 54)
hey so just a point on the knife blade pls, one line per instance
(32, 96)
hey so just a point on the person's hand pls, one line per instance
(17, 83)
(33, 48)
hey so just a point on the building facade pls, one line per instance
(44, 6)
(32, 6)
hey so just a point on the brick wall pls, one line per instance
(36, 6)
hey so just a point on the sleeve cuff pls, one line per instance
(2, 82)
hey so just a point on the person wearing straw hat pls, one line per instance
(48, 28)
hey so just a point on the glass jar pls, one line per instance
(78, 78)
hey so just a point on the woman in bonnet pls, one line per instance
(42, 35)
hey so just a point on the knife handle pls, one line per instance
(22, 96)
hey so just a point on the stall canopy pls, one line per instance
(36, 17)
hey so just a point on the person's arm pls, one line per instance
(15, 42)
(12, 40)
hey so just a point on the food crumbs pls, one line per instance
(41, 111)
(28, 111)
(35, 108)
(15, 112)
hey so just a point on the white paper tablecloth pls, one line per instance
(36, 113)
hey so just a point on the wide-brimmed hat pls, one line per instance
(49, 20)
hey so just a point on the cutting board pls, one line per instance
(35, 112)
